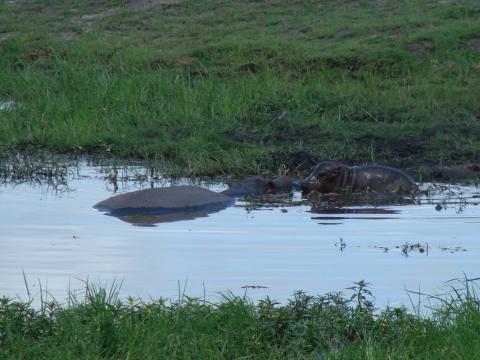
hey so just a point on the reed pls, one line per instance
(99, 324)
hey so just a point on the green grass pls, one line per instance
(360, 81)
(307, 327)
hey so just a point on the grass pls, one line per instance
(332, 326)
(212, 87)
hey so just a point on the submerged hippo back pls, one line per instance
(250, 186)
(168, 199)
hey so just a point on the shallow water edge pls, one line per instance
(51, 233)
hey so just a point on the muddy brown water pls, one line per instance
(54, 236)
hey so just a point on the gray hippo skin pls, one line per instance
(149, 206)
(258, 185)
(334, 177)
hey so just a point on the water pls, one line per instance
(6, 105)
(54, 236)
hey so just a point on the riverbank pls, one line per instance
(246, 88)
(332, 326)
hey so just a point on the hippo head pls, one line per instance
(324, 177)
(258, 185)
(282, 184)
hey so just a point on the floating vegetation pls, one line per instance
(341, 244)
(449, 196)
(453, 249)
(407, 248)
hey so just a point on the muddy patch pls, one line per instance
(147, 4)
(294, 33)
(341, 34)
(451, 173)
(15, 2)
(250, 68)
(68, 35)
(135, 5)
(474, 44)
(353, 63)
(421, 49)
(99, 15)
(305, 134)
(173, 61)
(349, 63)
(402, 148)
(268, 2)
(44, 53)
(87, 21)
(294, 161)
(6, 36)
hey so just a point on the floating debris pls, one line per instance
(254, 287)
(341, 245)
(453, 250)
(407, 248)
(384, 248)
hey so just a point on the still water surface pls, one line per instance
(55, 237)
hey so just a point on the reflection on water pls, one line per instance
(152, 220)
(348, 218)
(332, 210)
(58, 238)
(348, 210)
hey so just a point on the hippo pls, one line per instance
(335, 177)
(258, 185)
(149, 206)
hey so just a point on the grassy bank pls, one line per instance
(246, 86)
(307, 327)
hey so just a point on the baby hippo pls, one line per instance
(334, 177)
